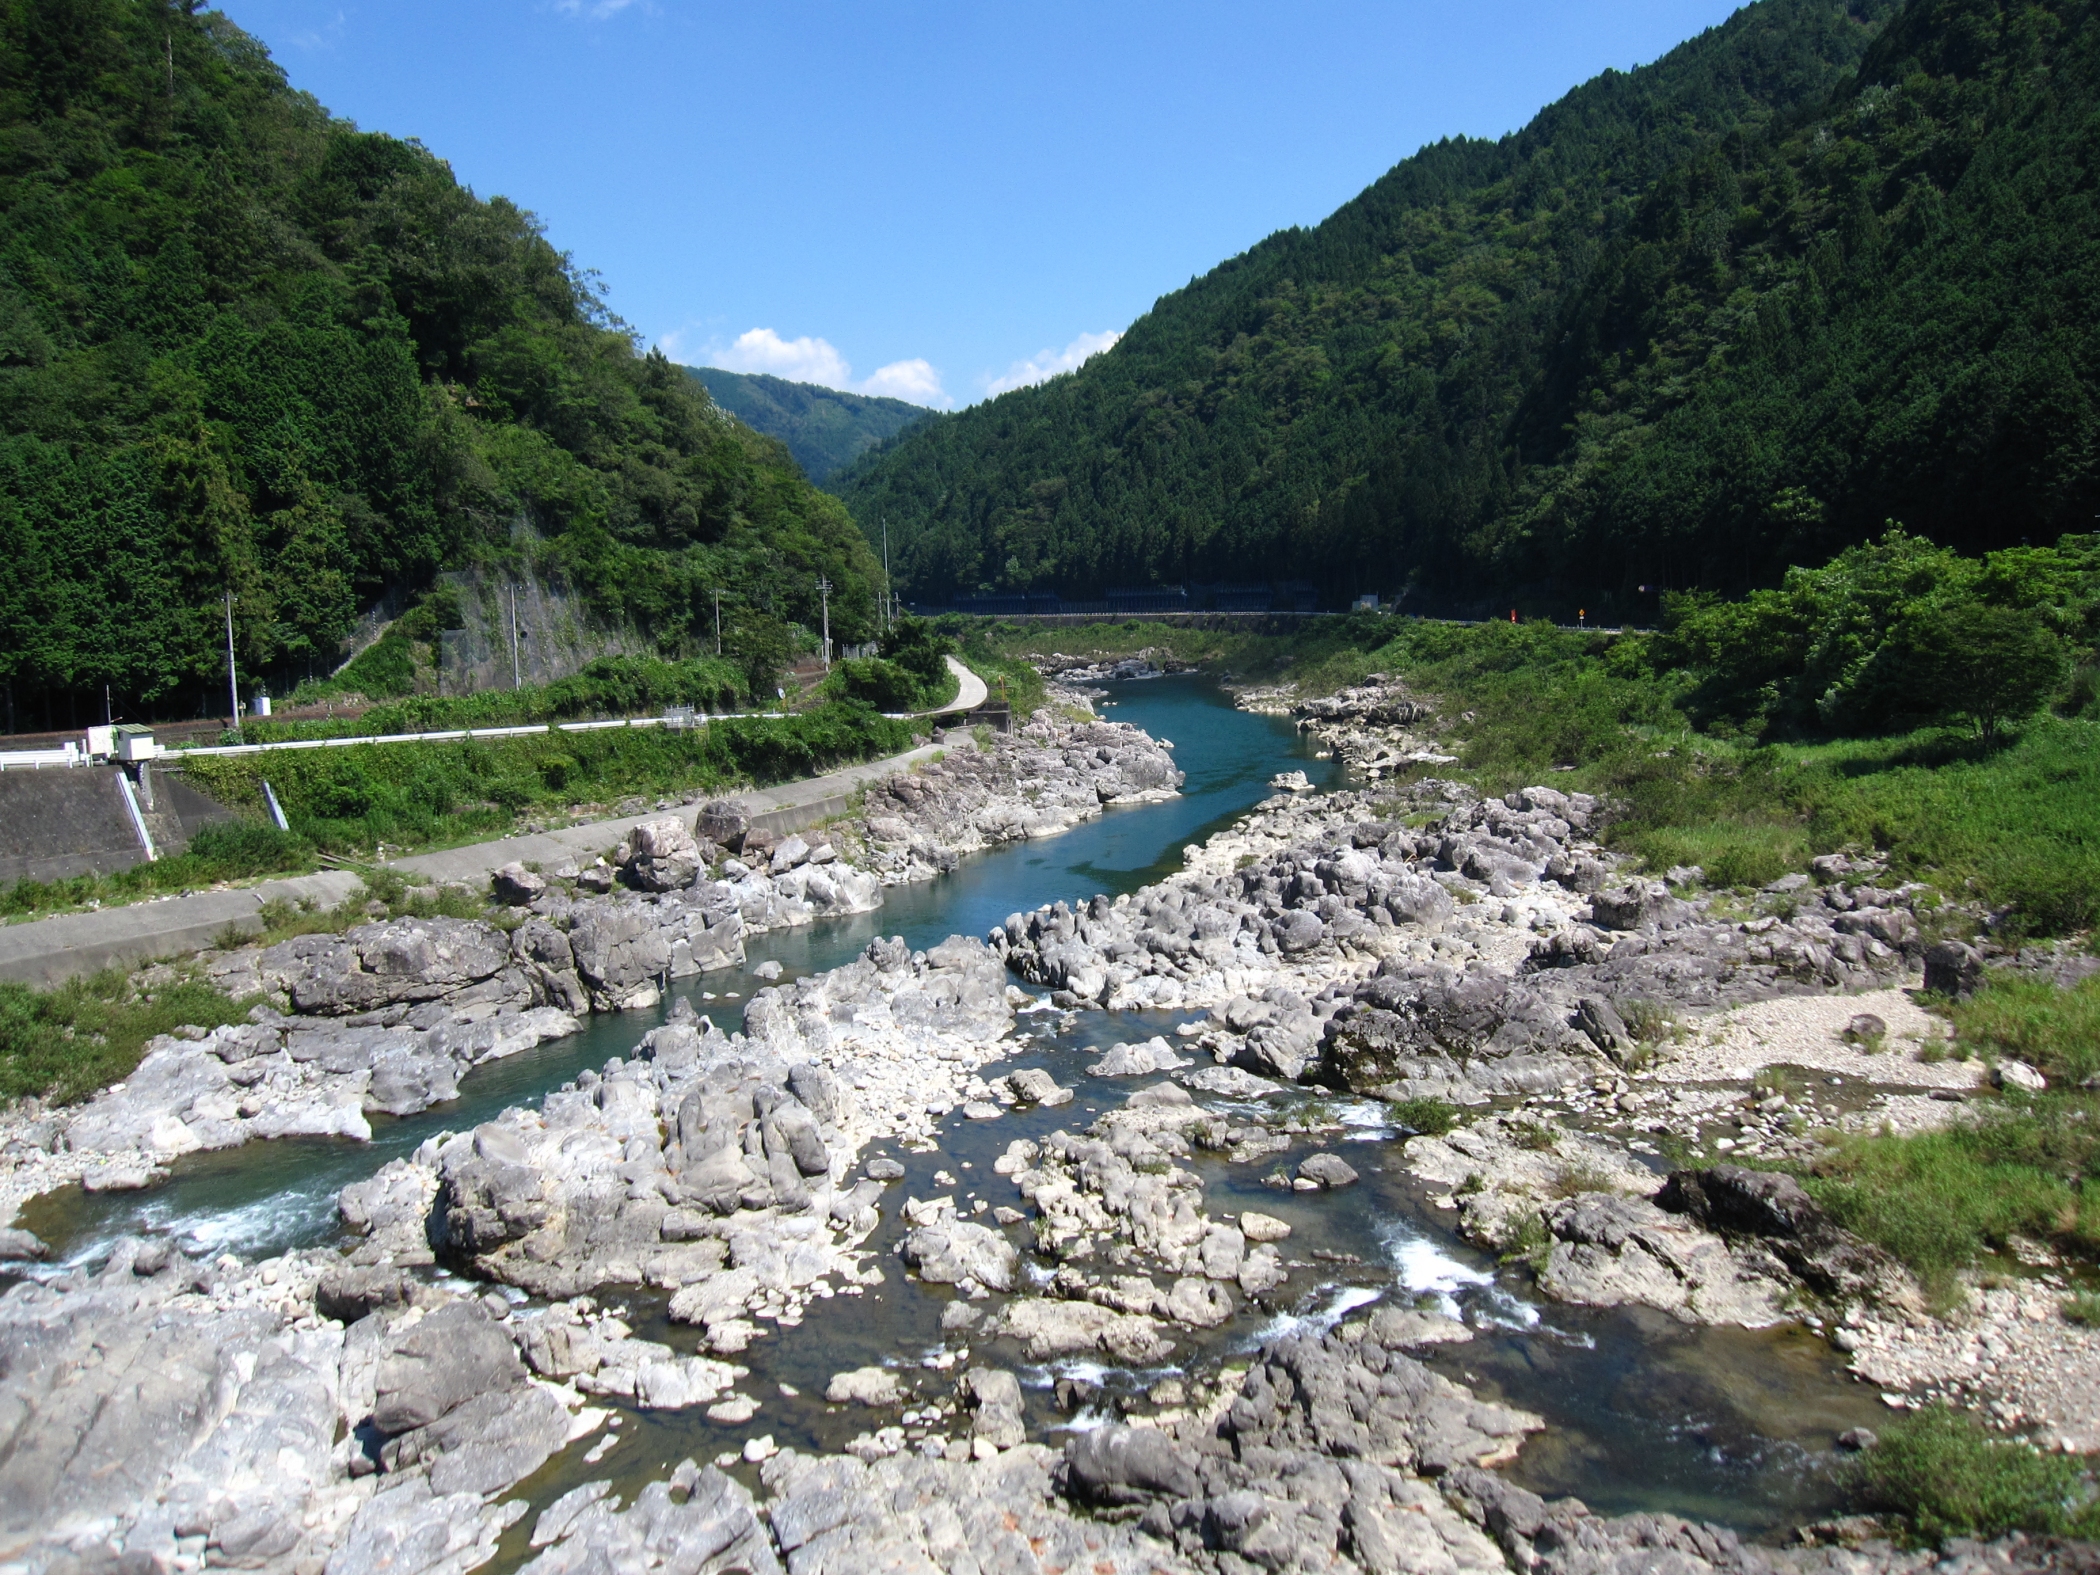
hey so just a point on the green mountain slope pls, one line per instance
(246, 347)
(824, 429)
(1693, 322)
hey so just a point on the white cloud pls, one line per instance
(914, 380)
(803, 360)
(811, 360)
(596, 10)
(1046, 364)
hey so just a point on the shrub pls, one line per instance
(1424, 1114)
(883, 685)
(911, 674)
(2082, 1308)
(239, 849)
(1571, 1181)
(1947, 1477)
(1533, 1135)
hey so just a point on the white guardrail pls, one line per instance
(139, 745)
(457, 734)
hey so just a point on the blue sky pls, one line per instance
(937, 201)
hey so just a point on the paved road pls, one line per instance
(47, 951)
(788, 807)
(970, 693)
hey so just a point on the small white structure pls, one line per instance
(136, 743)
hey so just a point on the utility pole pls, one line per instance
(718, 621)
(517, 680)
(824, 590)
(889, 596)
(233, 689)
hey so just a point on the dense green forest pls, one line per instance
(246, 347)
(1829, 264)
(824, 429)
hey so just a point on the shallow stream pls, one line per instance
(1644, 1413)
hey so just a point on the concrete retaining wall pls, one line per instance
(59, 823)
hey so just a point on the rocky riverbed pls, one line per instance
(1062, 767)
(1477, 970)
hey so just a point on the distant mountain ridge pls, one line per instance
(1829, 262)
(824, 429)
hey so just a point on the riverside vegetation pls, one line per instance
(1868, 704)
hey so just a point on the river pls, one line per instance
(1644, 1413)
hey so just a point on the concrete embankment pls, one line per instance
(48, 951)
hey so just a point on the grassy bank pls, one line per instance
(1943, 1476)
(2025, 1167)
(225, 851)
(616, 686)
(65, 1043)
(347, 801)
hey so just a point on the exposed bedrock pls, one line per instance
(189, 1413)
(1043, 778)
(1480, 955)
(716, 1167)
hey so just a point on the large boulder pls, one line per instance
(401, 961)
(621, 955)
(1623, 907)
(1299, 930)
(1773, 1211)
(724, 822)
(517, 886)
(1116, 1465)
(969, 1256)
(453, 1355)
(660, 855)
(1952, 968)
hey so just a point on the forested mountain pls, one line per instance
(1829, 263)
(824, 429)
(247, 347)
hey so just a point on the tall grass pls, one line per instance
(66, 1042)
(2033, 1021)
(1939, 1200)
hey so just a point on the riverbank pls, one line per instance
(45, 951)
(1422, 959)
